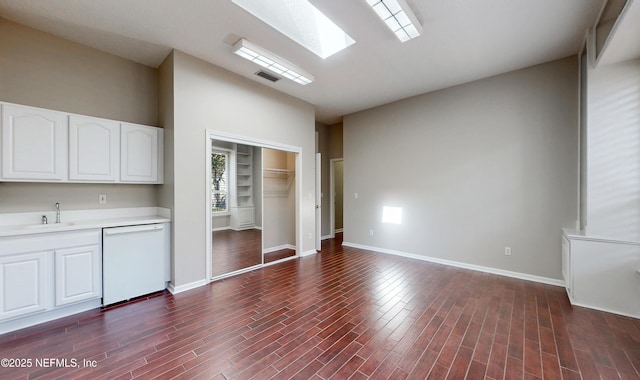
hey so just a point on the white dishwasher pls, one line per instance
(133, 261)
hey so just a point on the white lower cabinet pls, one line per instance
(47, 273)
(242, 217)
(23, 284)
(602, 274)
(78, 274)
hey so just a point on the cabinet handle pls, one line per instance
(139, 228)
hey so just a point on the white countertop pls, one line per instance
(583, 235)
(15, 224)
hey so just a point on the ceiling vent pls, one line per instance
(268, 76)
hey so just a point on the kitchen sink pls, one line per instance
(47, 226)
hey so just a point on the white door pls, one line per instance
(33, 143)
(23, 280)
(78, 274)
(318, 201)
(94, 149)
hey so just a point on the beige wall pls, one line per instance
(207, 97)
(475, 168)
(42, 70)
(28, 197)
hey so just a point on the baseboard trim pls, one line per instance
(234, 229)
(580, 304)
(479, 268)
(325, 237)
(339, 230)
(602, 309)
(241, 228)
(280, 261)
(18, 323)
(308, 253)
(237, 272)
(183, 288)
(283, 246)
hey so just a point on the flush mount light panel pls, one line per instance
(398, 17)
(302, 22)
(272, 62)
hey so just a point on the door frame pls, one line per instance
(210, 135)
(318, 205)
(332, 195)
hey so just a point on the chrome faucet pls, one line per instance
(57, 212)
(44, 219)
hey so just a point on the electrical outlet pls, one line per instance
(370, 232)
(355, 195)
(102, 199)
(507, 251)
(310, 236)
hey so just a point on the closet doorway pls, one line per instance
(252, 204)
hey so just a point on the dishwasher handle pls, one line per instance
(131, 229)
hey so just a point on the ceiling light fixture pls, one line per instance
(398, 17)
(272, 62)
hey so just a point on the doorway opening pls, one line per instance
(336, 176)
(278, 205)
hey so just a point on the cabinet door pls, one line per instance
(94, 149)
(23, 280)
(78, 273)
(605, 277)
(138, 153)
(33, 144)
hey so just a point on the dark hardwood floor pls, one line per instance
(343, 313)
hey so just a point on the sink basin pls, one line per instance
(47, 226)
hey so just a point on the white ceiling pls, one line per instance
(463, 40)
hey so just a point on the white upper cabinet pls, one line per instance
(140, 153)
(94, 149)
(40, 145)
(33, 144)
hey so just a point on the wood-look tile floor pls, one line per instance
(344, 313)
